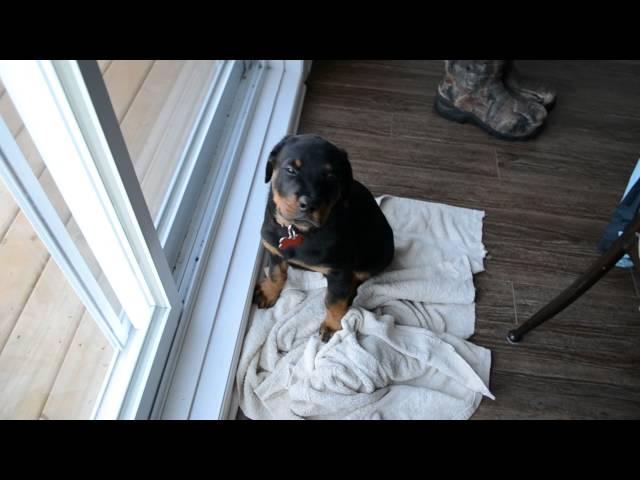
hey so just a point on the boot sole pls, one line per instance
(447, 110)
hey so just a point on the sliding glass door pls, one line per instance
(110, 168)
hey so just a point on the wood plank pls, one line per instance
(374, 122)
(8, 210)
(586, 139)
(156, 178)
(103, 65)
(145, 120)
(22, 137)
(554, 240)
(471, 190)
(76, 388)
(40, 340)
(553, 351)
(580, 85)
(560, 231)
(139, 122)
(605, 314)
(8, 207)
(635, 277)
(21, 251)
(23, 257)
(494, 301)
(37, 345)
(350, 97)
(521, 264)
(409, 152)
(123, 79)
(527, 397)
(551, 169)
(9, 114)
(368, 75)
(424, 67)
(424, 125)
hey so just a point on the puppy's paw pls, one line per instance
(326, 332)
(265, 294)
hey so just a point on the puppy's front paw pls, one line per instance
(326, 332)
(265, 294)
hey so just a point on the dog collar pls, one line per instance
(293, 239)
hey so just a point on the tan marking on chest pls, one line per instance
(271, 248)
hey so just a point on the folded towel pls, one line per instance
(402, 352)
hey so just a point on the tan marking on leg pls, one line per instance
(335, 312)
(268, 290)
(362, 276)
(333, 319)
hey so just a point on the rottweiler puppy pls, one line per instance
(319, 218)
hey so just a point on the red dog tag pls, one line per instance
(293, 240)
(290, 242)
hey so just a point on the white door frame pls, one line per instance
(164, 369)
(201, 370)
(73, 129)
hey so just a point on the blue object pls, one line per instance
(622, 216)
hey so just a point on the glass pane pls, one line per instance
(157, 103)
(53, 356)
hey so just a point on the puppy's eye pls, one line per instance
(291, 171)
(331, 176)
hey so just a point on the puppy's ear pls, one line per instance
(347, 174)
(271, 161)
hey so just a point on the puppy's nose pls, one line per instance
(304, 203)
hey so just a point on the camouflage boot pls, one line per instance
(527, 88)
(473, 91)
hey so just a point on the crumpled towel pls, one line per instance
(402, 352)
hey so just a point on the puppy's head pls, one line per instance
(308, 175)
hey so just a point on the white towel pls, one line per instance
(402, 352)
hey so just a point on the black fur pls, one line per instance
(355, 235)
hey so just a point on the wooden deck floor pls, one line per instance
(53, 357)
(547, 202)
